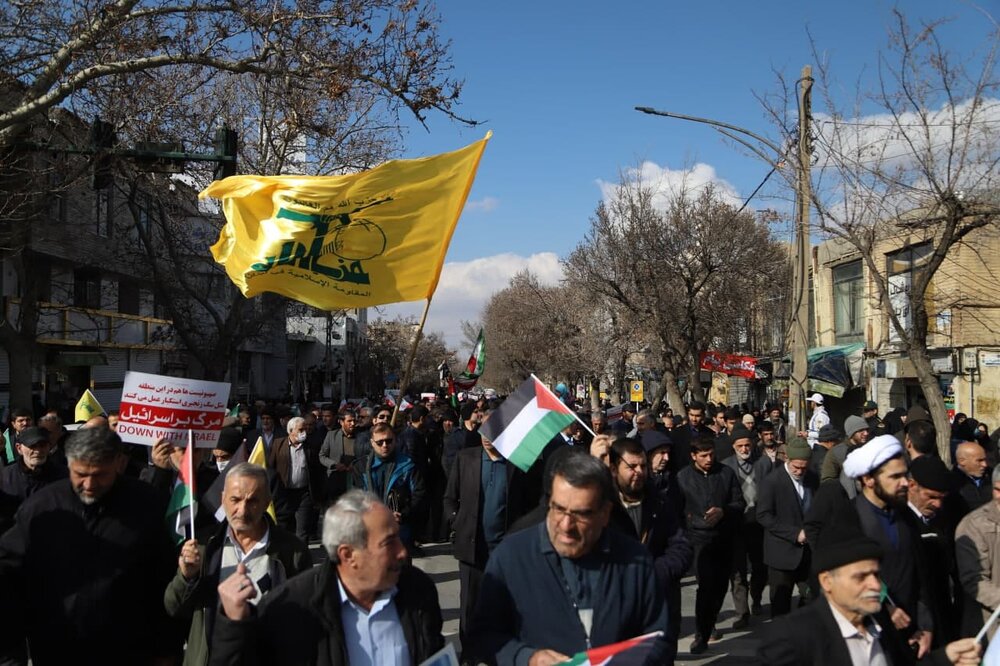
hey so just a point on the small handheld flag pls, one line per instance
(259, 457)
(87, 407)
(633, 652)
(182, 508)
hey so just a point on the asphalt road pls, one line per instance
(736, 647)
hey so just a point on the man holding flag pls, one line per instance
(270, 555)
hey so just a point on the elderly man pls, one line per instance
(977, 552)
(366, 605)
(269, 554)
(299, 490)
(879, 510)
(33, 470)
(848, 624)
(782, 502)
(568, 584)
(747, 582)
(87, 561)
(930, 485)
(972, 487)
(486, 494)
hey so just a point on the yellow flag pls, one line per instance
(369, 238)
(259, 457)
(88, 407)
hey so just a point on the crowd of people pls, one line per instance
(894, 551)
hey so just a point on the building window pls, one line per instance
(128, 297)
(87, 288)
(848, 302)
(103, 212)
(902, 267)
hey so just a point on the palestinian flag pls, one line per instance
(234, 412)
(475, 367)
(182, 507)
(525, 422)
(632, 652)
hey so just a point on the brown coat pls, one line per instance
(977, 553)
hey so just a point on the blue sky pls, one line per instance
(557, 81)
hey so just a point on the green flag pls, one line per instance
(8, 448)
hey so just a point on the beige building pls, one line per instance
(963, 303)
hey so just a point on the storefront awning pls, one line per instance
(832, 370)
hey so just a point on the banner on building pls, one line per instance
(729, 364)
(156, 406)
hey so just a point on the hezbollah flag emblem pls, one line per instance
(364, 239)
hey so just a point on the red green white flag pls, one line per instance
(526, 421)
(182, 507)
(474, 368)
(632, 652)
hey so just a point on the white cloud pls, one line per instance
(465, 286)
(484, 205)
(668, 183)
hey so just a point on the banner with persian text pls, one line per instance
(156, 406)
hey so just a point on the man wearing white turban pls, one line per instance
(881, 470)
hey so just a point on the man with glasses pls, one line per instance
(568, 584)
(392, 477)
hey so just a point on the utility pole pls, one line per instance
(799, 329)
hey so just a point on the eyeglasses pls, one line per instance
(383, 442)
(574, 515)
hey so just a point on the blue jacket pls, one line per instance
(523, 605)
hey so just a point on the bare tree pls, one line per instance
(683, 264)
(311, 88)
(912, 164)
(389, 346)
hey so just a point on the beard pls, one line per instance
(894, 501)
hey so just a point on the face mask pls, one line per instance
(221, 464)
(301, 437)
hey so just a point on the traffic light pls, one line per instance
(102, 141)
(226, 145)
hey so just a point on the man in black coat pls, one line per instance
(486, 494)
(302, 621)
(464, 436)
(33, 470)
(86, 563)
(713, 507)
(648, 515)
(848, 624)
(685, 435)
(782, 502)
(972, 483)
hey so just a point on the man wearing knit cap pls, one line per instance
(828, 438)
(783, 499)
(849, 624)
(749, 543)
(930, 484)
(818, 419)
(857, 434)
(869, 412)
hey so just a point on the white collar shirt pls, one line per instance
(864, 647)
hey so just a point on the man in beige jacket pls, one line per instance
(977, 554)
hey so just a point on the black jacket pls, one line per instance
(460, 438)
(661, 533)
(299, 623)
(89, 580)
(810, 635)
(718, 487)
(17, 483)
(780, 512)
(680, 447)
(462, 503)
(966, 496)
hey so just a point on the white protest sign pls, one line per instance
(157, 406)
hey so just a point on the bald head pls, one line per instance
(971, 459)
